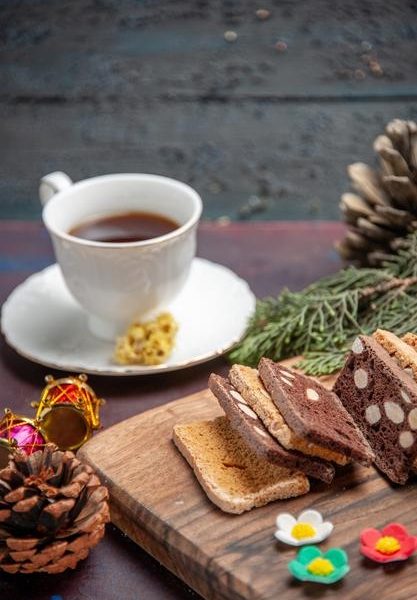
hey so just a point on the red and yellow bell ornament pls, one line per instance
(68, 411)
(18, 433)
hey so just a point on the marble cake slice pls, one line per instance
(249, 385)
(382, 399)
(247, 423)
(313, 412)
(403, 351)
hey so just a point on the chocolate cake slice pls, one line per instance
(313, 412)
(404, 352)
(248, 383)
(247, 423)
(382, 399)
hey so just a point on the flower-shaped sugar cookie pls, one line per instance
(309, 528)
(311, 564)
(393, 543)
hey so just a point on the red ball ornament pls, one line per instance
(18, 433)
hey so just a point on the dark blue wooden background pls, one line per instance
(127, 85)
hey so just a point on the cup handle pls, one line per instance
(51, 184)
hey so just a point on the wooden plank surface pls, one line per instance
(156, 501)
(106, 85)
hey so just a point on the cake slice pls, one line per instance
(402, 352)
(382, 399)
(410, 339)
(248, 383)
(247, 423)
(313, 412)
(234, 477)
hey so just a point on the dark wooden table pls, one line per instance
(270, 256)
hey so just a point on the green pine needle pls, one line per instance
(321, 321)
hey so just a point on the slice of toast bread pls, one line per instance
(247, 423)
(248, 383)
(382, 399)
(313, 412)
(235, 478)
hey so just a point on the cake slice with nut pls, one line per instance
(251, 429)
(314, 413)
(382, 399)
(410, 339)
(248, 383)
(401, 351)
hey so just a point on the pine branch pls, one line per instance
(321, 321)
(322, 363)
(404, 262)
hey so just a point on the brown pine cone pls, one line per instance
(53, 509)
(384, 208)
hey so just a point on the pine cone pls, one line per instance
(53, 509)
(384, 209)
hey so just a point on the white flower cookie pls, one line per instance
(308, 528)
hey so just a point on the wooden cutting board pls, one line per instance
(157, 502)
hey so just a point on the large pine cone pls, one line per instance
(53, 509)
(384, 209)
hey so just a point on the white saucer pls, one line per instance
(42, 322)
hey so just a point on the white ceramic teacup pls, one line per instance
(118, 282)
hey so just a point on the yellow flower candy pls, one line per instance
(302, 531)
(320, 566)
(387, 545)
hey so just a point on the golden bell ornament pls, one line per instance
(68, 411)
